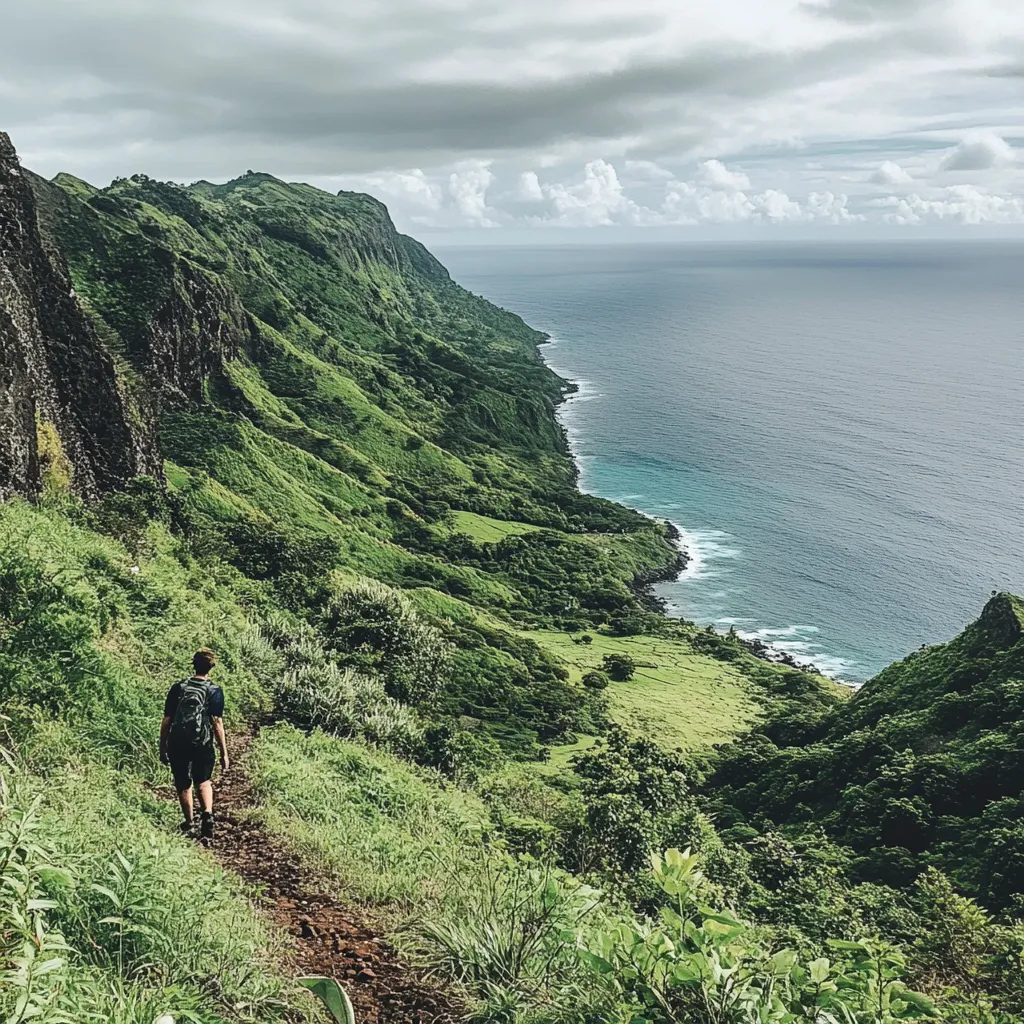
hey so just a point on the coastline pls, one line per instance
(689, 561)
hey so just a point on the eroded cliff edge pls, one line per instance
(63, 408)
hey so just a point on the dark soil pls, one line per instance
(330, 938)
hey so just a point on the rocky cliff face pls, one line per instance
(173, 320)
(61, 403)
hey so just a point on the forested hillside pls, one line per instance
(254, 417)
(924, 768)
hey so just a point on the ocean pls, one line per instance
(837, 429)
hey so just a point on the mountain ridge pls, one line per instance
(60, 382)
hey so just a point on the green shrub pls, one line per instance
(695, 965)
(595, 680)
(317, 693)
(620, 667)
(376, 628)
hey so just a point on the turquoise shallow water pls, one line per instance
(837, 429)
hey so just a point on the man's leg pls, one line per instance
(185, 799)
(181, 770)
(206, 797)
(202, 768)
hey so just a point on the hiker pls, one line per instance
(193, 719)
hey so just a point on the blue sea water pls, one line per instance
(838, 429)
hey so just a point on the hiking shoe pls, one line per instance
(206, 829)
(187, 827)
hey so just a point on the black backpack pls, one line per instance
(191, 727)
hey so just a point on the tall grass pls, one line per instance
(107, 917)
(389, 832)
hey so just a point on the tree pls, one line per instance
(595, 680)
(620, 667)
(381, 633)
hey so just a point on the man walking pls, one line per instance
(193, 719)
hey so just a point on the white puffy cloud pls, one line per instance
(978, 151)
(468, 185)
(826, 207)
(688, 202)
(529, 187)
(412, 186)
(715, 174)
(595, 199)
(890, 173)
(959, 204)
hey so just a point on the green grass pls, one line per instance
(389, 833)
(688, 700)
(486, 530)
(561, 756)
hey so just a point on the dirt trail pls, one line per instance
(329, 938)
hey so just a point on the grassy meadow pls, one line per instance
(677, 697)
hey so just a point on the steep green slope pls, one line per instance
(328, 398)
(925, 766)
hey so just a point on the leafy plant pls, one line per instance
(695, 965)
(33, 954)
(512, 932)
(333, 996)
(317, 693)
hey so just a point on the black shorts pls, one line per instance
(190, 766)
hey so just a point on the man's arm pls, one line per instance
(165, 731)
(222, 743)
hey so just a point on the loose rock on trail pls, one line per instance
(329, 938)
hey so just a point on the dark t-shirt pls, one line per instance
(215, 706)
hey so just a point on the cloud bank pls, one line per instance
(597, 196)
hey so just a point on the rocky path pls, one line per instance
(329, 938)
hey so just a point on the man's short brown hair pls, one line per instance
(203, 661)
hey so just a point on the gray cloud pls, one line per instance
(296, 88)
(433, 102)
(870, 11)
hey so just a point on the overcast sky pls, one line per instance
(502, 117)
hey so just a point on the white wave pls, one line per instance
(703, 548)
(800, 643)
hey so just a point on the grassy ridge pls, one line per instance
(325, 392)
(920, 769)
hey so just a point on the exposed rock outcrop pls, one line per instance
(173, 320)
(56, 379)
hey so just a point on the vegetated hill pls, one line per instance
(326, 397)
(924, 767)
